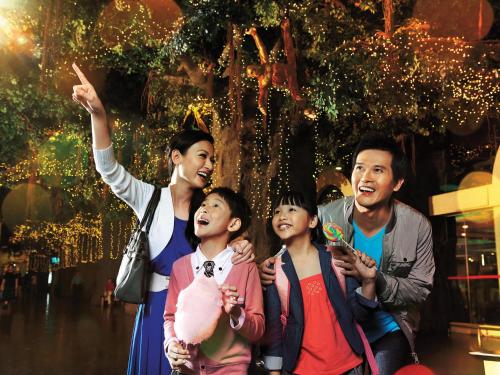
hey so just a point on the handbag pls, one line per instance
(133, 276)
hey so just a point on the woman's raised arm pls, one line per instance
(85, 95)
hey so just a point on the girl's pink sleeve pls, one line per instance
(253, 325)
(170, 308)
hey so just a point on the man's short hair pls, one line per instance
(238, 206)
(379, 141)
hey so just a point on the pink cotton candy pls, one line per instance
(198, 310)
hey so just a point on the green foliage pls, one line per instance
(367, 5)
(64, 157)
(203, 31)
(354, 79)
(25, 112)
(268, 13)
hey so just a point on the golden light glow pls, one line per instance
(5, 30)
(473, 179)
(470, 19)
(6, 4)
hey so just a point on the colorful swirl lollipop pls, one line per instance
(333, 232)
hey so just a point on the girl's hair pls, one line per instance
(183, 141)
(295, 198)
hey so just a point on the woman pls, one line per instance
(191, 162)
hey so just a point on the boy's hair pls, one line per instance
(295, 198)
(238, 207)
(379, 141)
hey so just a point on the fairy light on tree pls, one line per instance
(352, 76)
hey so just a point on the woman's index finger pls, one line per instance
(80, 74)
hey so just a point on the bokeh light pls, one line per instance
(332, 176)
(26, 202)
(468, 19)
(15, 36)
(475, 179)
(8, 4)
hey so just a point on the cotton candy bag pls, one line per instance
(198, 310)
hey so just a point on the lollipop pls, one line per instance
(334, 234)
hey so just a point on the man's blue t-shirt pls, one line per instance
(382, 322)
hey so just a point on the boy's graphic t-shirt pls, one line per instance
(382, 322)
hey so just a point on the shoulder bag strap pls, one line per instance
(150, 209)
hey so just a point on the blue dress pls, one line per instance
(147, 356)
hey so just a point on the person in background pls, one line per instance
(9, 288)
(77, 287)
(107, 297)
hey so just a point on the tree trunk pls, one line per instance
(51, 32)
(260, 165)
(227, 155)
(388, 9)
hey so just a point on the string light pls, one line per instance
(411, 83)
(78, 241)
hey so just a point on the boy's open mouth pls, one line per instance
(202, 221)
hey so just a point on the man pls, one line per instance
(396, 236)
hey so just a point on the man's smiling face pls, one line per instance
(372, 179)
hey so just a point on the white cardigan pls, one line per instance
(137, 194)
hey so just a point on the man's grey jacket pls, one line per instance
(405, 275)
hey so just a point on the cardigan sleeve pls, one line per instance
(253, 324)
(273, 342)
(171, 307)
(132, 191)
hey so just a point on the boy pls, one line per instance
(223, 216)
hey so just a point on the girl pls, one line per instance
(191, 162)
(319, 335)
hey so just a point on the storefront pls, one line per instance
(475, 285)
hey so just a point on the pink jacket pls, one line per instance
(228, 351)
